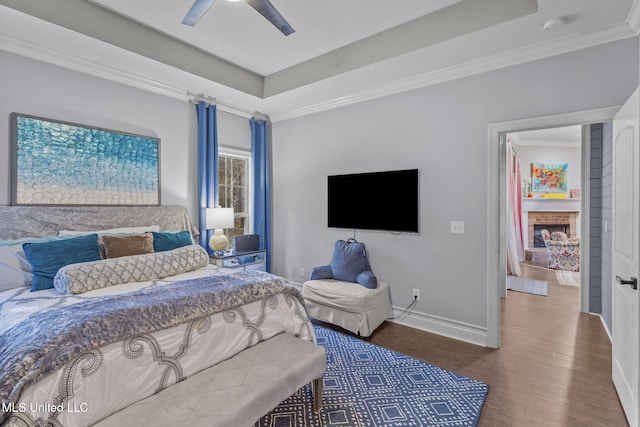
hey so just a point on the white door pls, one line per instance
(626, 258)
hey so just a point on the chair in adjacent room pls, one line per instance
(346, 293)
(564, 252)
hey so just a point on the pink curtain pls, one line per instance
(515, 235)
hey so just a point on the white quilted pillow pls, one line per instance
(87, 276)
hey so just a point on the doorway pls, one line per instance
(496, 196)
(544, 179)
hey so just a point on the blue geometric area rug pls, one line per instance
(367, 385)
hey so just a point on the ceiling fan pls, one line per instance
(264, 7)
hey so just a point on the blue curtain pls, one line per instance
(207, 167)
(261, 185)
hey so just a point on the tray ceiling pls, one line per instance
(340, 53)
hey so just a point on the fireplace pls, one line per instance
(538, 241)
(566, 222)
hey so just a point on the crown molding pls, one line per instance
(633, 19)
(66, 60)
(555, 144)
(514, 57)
(105, 25)
(519, 56)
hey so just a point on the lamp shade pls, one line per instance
(218, 218)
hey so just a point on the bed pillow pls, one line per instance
(80, 278)
(169, 240)
(15, 270)
(134, 244)
(46, 258)
(121, 230)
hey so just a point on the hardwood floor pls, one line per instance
(554, 367)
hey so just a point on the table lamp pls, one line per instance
(218, 219)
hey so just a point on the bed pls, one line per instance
(115, 331)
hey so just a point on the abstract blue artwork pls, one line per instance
(61, 163)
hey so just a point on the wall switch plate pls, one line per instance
(457, 227)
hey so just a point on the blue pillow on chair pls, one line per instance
(349, 264)
(321, 272)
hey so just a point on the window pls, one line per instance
(233, 188)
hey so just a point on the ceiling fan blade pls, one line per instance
(266, 9)
(196, 12)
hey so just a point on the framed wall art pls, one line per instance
(549, 177)
(62, 163)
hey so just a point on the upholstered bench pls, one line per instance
(349, 305)
(235, 392)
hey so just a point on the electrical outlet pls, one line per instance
(416, 294)
(301, 271)
(457, 227)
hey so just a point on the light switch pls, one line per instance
(457, 227)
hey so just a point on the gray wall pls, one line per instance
(607, 218)
(33, 87)
(600, 281)
(595, 231)
(442, 131)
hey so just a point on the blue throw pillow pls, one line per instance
(368, 279)
(168, 241)
(321, 272)
(349, 261)
(46, 258)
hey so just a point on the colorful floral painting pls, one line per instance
(549, 177)
(60, 163)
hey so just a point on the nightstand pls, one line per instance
(242, 260)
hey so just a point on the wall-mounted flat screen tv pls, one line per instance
(374, 201)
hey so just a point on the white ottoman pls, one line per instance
(235, 392)
(348, 305)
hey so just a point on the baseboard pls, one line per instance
(604, 325)
(442, 326)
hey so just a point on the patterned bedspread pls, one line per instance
(73, 360)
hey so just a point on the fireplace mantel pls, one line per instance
(550, 205)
